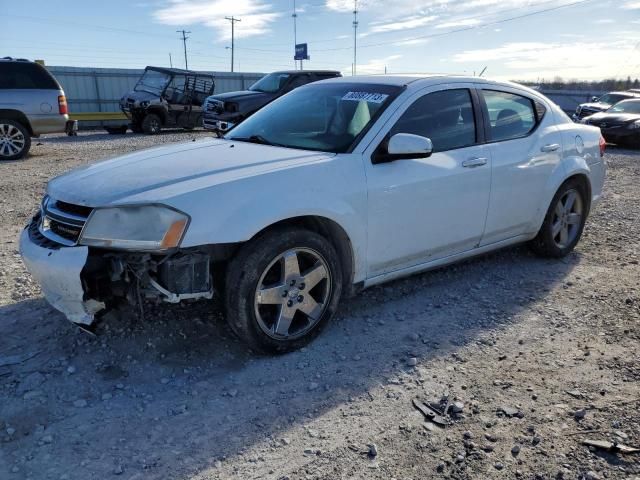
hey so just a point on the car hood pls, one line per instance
(243, 94)
(595, 106)
(615, 118)
(153, 175)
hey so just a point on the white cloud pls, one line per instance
(255, 15)
(412, 41)
(413, 22)
(632, 5)
(584, 60)
(373, 66)
(604, 21)
(467, 22)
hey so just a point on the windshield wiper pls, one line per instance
(259, 139)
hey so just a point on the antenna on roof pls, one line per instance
(483, 70)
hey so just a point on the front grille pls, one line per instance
(62, 222)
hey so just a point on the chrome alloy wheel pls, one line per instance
(292, 294)
(12, 140)
(567, 218)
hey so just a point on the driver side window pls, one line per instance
(446, 117)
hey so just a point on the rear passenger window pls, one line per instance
(446, 117)
(510, 115)
(23, 75)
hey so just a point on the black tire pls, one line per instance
(248, 268)
(151, 124)
(546, 244)
(13, 135)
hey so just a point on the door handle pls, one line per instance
(474, 162)
(552, 147)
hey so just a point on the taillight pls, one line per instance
(603, 146)
(62, 105)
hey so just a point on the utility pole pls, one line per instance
(355, 34)
(170, 60)
(295, 34)
(184, 42)
(233, 21)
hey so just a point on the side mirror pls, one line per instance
(594, 99)
(403, 146)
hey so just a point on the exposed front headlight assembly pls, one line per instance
(142, 228)
(634, 125)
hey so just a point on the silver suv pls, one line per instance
(31, 103)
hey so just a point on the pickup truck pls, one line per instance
(224, 111)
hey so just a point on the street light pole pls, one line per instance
(355, 34)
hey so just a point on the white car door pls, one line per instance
(421, 210)
(526, 147)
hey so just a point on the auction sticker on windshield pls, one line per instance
(366, 96)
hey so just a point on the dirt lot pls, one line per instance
(554, 343)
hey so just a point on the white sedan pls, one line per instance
(336, 186)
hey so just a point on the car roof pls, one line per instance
(627, 93)
(403, 80)
(177, 71)
(293, 72)
(11, 59)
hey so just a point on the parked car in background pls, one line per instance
(336, 186)
(223, 111)
(600, 104)
(167, 97)
(620, 124)
(32, 103)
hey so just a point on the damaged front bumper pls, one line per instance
(81, 282)
(58, 273)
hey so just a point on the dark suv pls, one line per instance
(32, 102)
(600, 104)
(167, 97)
(226, 110)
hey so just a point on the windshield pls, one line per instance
(612, 98)
(152, 81)
(270, 83)
(628, 106)
(321, 117)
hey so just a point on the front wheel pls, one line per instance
(151, 124)
(15, 140)
(564, 222)
(282, 288)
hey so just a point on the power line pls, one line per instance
(233, 21)
(464, 29)
(184, 43)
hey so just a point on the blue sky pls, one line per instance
(514, 39)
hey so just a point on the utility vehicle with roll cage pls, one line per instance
(166, 98)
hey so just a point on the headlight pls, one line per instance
(634, 125)
(146, 227)
(231, 107)
(144, 104)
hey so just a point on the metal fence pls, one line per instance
(100, 89)
(568, 100)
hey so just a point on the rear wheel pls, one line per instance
(15, 140)
(564, 222)
(282, 288)
(152, 124)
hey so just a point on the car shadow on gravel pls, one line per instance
(173, 393)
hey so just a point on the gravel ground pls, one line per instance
(539, 355)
